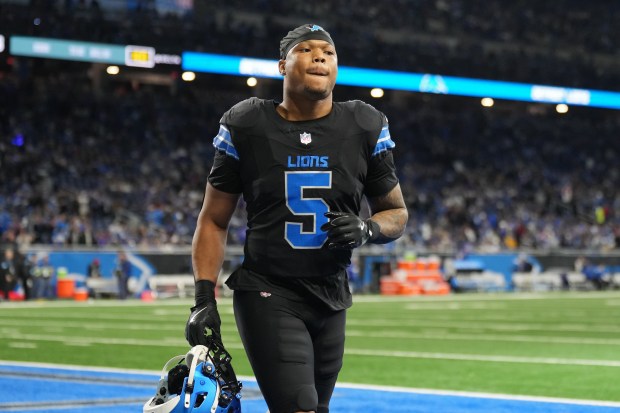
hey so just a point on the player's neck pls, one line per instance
(302, 109)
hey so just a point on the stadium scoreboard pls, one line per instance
(140, 56)
(128, 55)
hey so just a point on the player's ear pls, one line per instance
(281, 67)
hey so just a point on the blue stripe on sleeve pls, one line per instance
(384, 142)
(223, 142)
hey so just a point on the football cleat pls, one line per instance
(202, 381)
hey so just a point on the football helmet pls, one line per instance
(202, 381)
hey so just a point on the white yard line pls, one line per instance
(14, 326)
(482, 325)
(486, 337)
(349, 351)
(421, 299)
(497, 396)
(488, 297)
(486, 358)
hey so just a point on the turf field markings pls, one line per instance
(497, 396)
(485, 337)
(21, 344)
(489, 297)
(82, 316)
(72, 377)
(106, 340)
(47, 405)
(353, 319)
(351, 351)
(477, 324)
(455, 306)
(97, 326)
(483, 358)
(89, 315)
(506, 314)
(78, 368)
(72, 343)
(61, 327)
(540, 318)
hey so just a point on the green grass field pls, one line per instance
(556, 345)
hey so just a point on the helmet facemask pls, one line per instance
(202, 381)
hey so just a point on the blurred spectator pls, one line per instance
(24, 273)
(94, 269)
(526, 263)
(122, 272)
(8, 273)
(43, 275)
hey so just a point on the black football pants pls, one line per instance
(295, 349)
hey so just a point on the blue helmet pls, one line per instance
(202, 381)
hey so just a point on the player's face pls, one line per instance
(311, 68)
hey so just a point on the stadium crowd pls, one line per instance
(125, 163)
(558, 43)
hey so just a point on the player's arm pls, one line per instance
(390, 214)
(208, 247)
(209, 243)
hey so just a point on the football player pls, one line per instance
(303, 165)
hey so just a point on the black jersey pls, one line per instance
(291, 173)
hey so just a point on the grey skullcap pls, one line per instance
(298, 35)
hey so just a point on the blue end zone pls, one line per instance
(33, 388)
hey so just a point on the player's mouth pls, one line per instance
(318, 72)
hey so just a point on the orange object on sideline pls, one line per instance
(147, 295)
(65, 288)
(80, 294)
(434, 265)
(389, 286)
(406, 265)
(409, 289)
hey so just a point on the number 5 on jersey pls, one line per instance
(295, 182)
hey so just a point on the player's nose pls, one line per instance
(318, 57)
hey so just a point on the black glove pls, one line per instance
(204, 316)
(347, 231)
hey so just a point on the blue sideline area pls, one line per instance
(43, 389)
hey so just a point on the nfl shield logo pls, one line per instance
(305, 138)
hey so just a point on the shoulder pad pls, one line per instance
(366, 116)
(243, 114)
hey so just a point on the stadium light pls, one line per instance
(252, 81)
(561, 108)
(487, 102)
(188, 76)
(376, 92)
(113, 70)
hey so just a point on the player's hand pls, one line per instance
(204, 319)
(347, 231)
